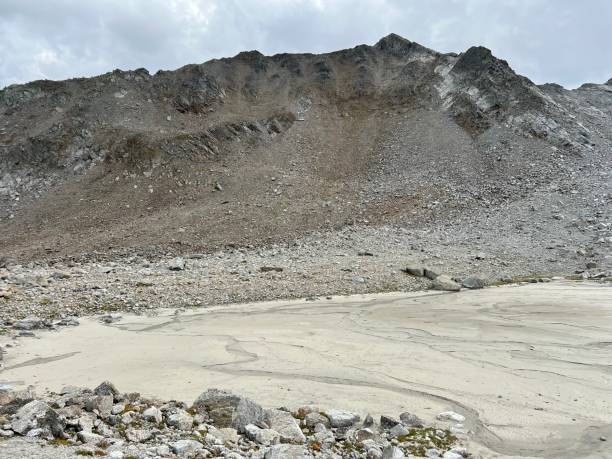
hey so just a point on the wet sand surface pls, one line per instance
(530, 366)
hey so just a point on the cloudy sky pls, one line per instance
(565, 41)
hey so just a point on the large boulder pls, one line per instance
(339, 418)
(285, 425)
(37, 415)
(107, 388)
(443, 282)
(11, 400)
(473, 282)
(229, 410)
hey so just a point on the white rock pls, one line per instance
(153, 414)
(283, 423)
(186, 448)
(392, 452)
(138, 435)
(264, 437)
(176, 264)
(88, 437)
(450, 416)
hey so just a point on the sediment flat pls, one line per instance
(530, 366)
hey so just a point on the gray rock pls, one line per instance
(312, 419)
(11, 400)
(443, 282)
(89, 437)
(398, 431)
(226, 434)
(387, 422)
(266, 269)
(37, 414)
(429, 274)
(473, 282)
(264, 437)
(285, 425)
(368, 421)
(103, 404)
(364, 434)
(180, 420)
(152, 414)
(138, 435)
(186, 448)
(419, 272)
(286, 452)
(392, 452)
(176, 264)
(107, 388)
(411, 420)
(229, 410)
(29, 323)
(339, 418)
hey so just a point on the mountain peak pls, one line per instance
(397, 45)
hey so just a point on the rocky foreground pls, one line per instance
(104, 422)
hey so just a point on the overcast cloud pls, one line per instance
(565, 41)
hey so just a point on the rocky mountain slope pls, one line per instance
(256, 150)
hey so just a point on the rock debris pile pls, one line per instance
(104, 422)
